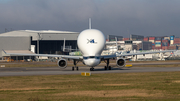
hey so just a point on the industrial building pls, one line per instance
(42, 42)
(158, 42)
(112, 38)
(164, 42)
(136, 37)
(51, 42)
(129, 45)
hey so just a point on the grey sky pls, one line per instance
(114, 17)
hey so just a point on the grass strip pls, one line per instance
(115, 86)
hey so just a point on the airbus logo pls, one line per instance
(91, 41)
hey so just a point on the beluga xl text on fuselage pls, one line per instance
(91, 43)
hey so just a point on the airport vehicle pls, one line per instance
(91, 43)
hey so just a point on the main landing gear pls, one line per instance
(75, 67)
(107, 67)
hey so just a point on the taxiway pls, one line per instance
(30, 71)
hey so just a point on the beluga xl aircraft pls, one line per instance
(91, 43)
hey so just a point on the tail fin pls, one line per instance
(89, 23)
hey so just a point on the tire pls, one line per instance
(105, 68)
(109, 67)
(91, 69)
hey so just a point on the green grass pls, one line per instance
(117, 86)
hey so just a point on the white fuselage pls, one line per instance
(91, 43)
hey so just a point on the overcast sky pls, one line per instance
(112, 17)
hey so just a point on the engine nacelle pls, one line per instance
(62, 63)
(121, 62)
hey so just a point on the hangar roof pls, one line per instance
(16, 51)
(44, 34)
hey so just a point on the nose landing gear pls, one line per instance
(91, 69)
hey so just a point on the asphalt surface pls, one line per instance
(30, 71)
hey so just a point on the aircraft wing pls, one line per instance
(130, 54)
(46, 55)
(142, 53)
(108, 56)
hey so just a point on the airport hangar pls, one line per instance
(31, 42)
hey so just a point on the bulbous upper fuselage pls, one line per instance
(91, 43)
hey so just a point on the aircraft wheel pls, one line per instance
(72, 68)
(91, 69)
(105, 68)
(109, 67)
(77, 68)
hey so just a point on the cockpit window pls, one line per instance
(92, 57)
(85, 57)
(96, 57)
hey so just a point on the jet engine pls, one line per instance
(62, 63)
(120, 62)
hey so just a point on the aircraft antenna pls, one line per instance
(89, 23)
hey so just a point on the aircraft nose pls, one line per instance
(92, 62)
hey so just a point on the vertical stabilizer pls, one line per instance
(89, 23)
